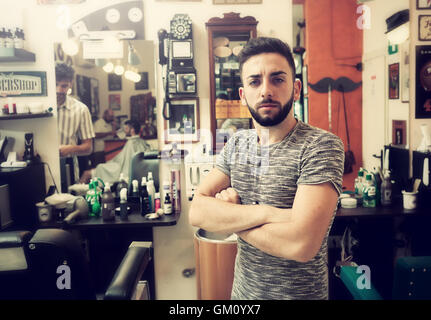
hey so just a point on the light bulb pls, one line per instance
(70, 47)
(109, 67)
(119, 70)
(129, 75)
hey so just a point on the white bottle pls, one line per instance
(151, 194)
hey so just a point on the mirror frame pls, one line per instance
(230, 23)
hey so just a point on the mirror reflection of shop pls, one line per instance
(183, 122)
(227, 36)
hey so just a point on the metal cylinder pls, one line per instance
(215, 261)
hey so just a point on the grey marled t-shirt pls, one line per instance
(270, 175)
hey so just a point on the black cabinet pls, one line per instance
(26, 188)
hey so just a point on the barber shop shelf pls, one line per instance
(16, 55)
(18, 116)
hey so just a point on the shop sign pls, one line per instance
(23, 83)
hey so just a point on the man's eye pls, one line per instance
(253, 82)
(278, 80)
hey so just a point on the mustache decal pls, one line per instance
(342, 84)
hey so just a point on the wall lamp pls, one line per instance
(398, 29)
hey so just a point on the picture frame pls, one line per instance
(114, 82)
(115, 101)
(394, 81)
(399, 132)
(423, 5)
(423, 82)
(424, 27)
(143, 83)
(183, 123)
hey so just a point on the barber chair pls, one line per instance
(142, 163)
(412, 280)
(51, 265)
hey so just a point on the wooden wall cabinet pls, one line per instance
(226, 37)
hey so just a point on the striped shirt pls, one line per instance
(270, 175)
(74, 121)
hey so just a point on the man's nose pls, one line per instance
(267, 89)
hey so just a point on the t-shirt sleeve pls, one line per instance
(86, 130)
(223, 159)
(323, 161)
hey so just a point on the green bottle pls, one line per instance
(369, 192)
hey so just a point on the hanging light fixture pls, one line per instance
(132, 57)
(398, 29)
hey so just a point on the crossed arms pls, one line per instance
(294, 234)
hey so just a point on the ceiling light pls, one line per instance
(398, 29)
(119, 70)
(109, 67)
(70, 47)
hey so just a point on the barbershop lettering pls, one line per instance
(18, 85)
(23, 84)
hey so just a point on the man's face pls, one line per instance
(62, 87)
(128, 130)
(109, 116)
(268, 88)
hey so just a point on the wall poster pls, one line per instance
(394, 81)
(423, 82)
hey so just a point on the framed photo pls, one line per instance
(115, 101)
(394, 81)
(143, 84)
(399, 132)
(405, 71)
(114, 82)
(423, 4)
(423, 82)
(183, 123)
(424, 27)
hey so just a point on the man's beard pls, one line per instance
(267, 121)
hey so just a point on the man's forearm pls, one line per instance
(280, 239)
(84, 148)
(216, 215)
(104, 134)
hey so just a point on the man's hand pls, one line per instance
(66, 150)
(229, 195)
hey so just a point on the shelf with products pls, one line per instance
(20, 116)
(16, 55)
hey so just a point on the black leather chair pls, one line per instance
(142, 163)
(51, 264)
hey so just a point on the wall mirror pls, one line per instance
(111, 83)
(226, 37)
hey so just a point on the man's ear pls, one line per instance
(242, 96)
(297, 85)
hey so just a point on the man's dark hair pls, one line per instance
(260, 45)
(134, 124)
(64, 72)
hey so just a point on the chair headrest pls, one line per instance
(13, 239)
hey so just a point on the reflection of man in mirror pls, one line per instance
(110, 171)
(104, 127)
(75, 128)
